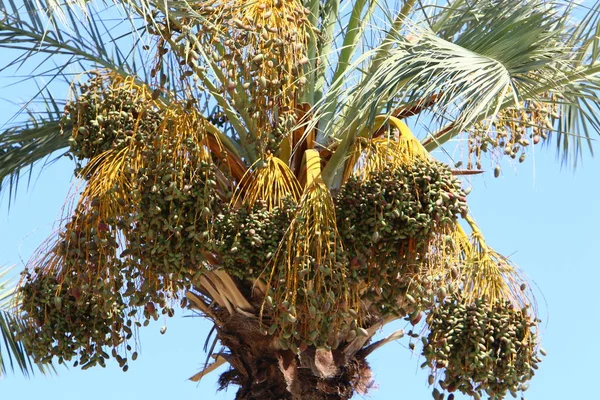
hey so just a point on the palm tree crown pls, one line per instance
(253, 161)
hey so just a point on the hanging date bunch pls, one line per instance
(108, 115)
(483, 338)
(513, 130)
(396, 193)
(247, 238)
(392, 207)
(176, 199)
(71, 298)
(482, 347)
(138, 230)
(249, 231)
(308, 293)
(382, 213)
(258, 48)
(154, 182)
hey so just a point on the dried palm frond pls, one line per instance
(488, 274)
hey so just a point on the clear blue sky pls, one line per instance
(546, 218)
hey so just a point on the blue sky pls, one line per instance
(544, 216)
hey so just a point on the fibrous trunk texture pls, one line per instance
(263, 370)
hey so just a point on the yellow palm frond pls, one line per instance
(395, 149)
(309, 263)
(490, 275)
(270, 181)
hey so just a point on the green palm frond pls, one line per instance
(331, 12)
(573, 80)
(470, 77)
(584, 37)
(24, 144)
(11, 351)
(59, 53)
(472, 74)
(360, 16)
(6, 291)
(59, 40)
(471, 61)
(61, 49)
(35, 32)
(579, 119)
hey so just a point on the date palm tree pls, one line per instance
(253, 161)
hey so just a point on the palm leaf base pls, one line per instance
(259, 365)
(263, 371)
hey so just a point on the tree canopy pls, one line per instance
(254, 161)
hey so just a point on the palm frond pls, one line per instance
(577, 119)
(469, 78)
(574, 81)
(553, 58)
(6, 292)
(472, 74)
(56, 52)
(388, 42)
(94, 43)
(24, 145)
(585, 36)
(472, 66)
(331, 17)
(353, 35)
(59, 9)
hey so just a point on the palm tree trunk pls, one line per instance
(261, 368)
(264, 371)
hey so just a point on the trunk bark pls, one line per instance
(264, 371)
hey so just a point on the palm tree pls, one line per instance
(251, 160)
